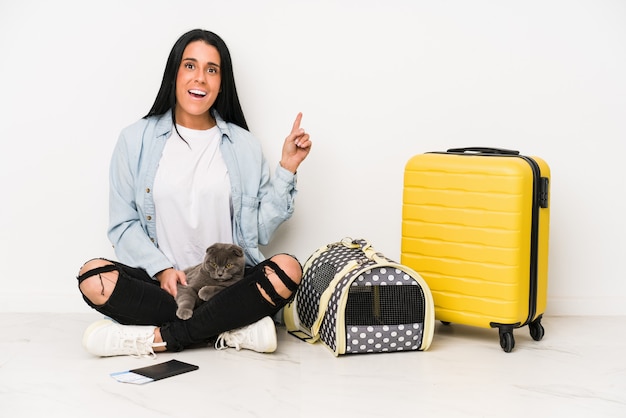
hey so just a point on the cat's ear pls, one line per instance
(237, 251)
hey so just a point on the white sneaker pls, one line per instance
(259, 336)
(106, 338)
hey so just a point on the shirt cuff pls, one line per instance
(286, 175)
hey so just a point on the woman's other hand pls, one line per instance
(169, 279)
(296, 147)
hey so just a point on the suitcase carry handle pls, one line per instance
(484, 150)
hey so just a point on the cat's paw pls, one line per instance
(206, 293)
(184, 313)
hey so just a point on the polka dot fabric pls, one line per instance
(382, 338)
(374, 308)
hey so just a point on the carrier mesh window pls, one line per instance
(324, 274)
(384, 305)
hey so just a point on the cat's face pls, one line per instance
(224, 261)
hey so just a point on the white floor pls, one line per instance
(577, 370)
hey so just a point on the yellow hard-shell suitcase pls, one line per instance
(475, 226)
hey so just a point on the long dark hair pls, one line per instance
(227, 101)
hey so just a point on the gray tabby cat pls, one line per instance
(223, 265)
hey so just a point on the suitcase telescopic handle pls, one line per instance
(483, 150)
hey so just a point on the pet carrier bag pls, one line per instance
(356, 300)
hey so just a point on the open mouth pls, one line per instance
(197, 93)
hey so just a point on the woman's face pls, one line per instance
(197, 85)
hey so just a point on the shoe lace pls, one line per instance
(141, 346)
(220, 343)
(236, 338)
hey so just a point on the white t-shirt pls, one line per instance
(192, 196)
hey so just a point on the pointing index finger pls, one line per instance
(296, 123)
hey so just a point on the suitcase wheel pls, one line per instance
(507, 341)
(536, 329)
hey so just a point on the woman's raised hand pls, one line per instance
(296, 147)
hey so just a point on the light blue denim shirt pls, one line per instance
(261, 203)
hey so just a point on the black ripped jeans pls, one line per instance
(138, 300)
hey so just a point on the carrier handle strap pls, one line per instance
(367, 249)
(375, 256)
(363, 245)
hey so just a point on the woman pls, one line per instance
(185, 176)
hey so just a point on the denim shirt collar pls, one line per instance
(165, 123)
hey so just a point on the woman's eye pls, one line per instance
(212, 70)
(189, 66)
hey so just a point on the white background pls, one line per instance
(377, 81)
